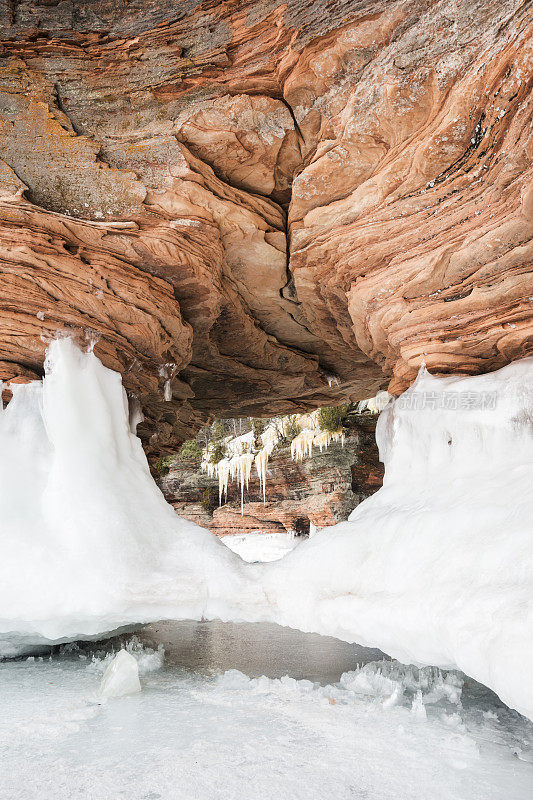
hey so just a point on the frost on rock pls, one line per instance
(121, 677)
(436, 568)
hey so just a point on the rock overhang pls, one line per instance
(270, 206)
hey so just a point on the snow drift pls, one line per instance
(436, 568)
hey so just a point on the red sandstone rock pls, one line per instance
(319, 490)
(245, 198)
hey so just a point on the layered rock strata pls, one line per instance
(261, 207)
(320, 490)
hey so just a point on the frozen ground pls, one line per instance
(382, 732)
(261, 546)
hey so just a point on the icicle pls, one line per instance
(270, 437)
(322, 440)
(261, 462)
(168, 371)
(240, 444)
(332, 380)
(241, 467)
(136, 415)
(302, 444)
(222, 469)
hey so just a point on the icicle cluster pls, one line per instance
(230, 468)
(240, 460)
(269, 439)
(302, 444)
(323, 439)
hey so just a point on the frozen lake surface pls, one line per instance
(217, 720)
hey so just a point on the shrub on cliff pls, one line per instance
(219, 451)
(209, 500)
(162, 466)
(218, 430)
(291, 429)
(330, 418)
(190, 451)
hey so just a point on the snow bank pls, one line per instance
(88, 543)
(256, 546)
(436, 568)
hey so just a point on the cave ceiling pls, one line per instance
(266, 206)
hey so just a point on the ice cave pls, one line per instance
(266, 400)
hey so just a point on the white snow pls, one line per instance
(121, 676)
(381, 732)
(374, 404)
(255, 546)
(435, 568)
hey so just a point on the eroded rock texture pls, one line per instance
(319, 490)
(248, 199)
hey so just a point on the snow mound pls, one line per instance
(256, 546)
(436, 568)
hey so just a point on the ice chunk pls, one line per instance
(121, 677)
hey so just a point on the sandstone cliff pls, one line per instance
(266, 206)
(320, 490)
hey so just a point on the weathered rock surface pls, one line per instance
(247, 198)
(320, 490)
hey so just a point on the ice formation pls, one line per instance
(240, 448)
(87, 541)
(435, 568)
(261, 463)
(374, 404)
(239, 467)
(302, 444)
(167, 372)
(121, 676)
(269, 439)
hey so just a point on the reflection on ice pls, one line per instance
(243, 716)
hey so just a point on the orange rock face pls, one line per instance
(319, 490)
(242, 201)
